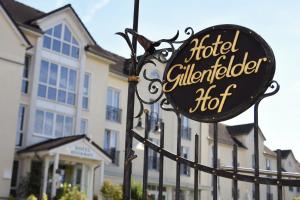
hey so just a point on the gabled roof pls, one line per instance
(53, 143)
(3, 4)
(243, 129)
(269, 151)
(224, 136)
(25, 16)
(68, 6)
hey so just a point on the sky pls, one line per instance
(278, 22)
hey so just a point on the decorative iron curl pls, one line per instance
(274, 85)
(153, 89)
(165, 105)
(152, 53)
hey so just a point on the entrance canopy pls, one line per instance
(78, 146)
(77, 151)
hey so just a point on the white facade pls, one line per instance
(69, 90)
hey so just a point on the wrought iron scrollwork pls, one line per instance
(152, 53)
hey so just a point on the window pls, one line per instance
(269, 193)
(185, 169)
(83, 126)
(154, 115)
(237, 191)
(85, 96)
(253, 161)
(153, 160)
(57, 83)
(110, 145)
(60, 39)
(20, 127)
(25, 80)
(291, 188)
(268, 164)
(15, 174)
(53, 125)
(113, 112)
(185, 129)
(14, 178)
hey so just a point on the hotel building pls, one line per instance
(63, 116)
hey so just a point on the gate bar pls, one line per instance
(177, 189)
(146, 156)
(235, 171)
(161, 161)
(256, 152)
(279, 175)
(196, 170)
(130, 111)
(215, 163)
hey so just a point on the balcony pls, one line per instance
(114, 154)
(186, 133)
(113, 114)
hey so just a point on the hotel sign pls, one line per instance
(218, 73)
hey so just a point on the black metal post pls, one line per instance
(130, 113)
(235, 171)
(161, 162)
(256, 151)
(279, 175)
(145, 170)
(215, 163)
(195, 169)
(178, 165)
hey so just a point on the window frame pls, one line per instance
(89, 75)
(21, 125)
(54, 126)
(67, 90)
(62, 41)
(27, 65)
(86, 129)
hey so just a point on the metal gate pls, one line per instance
(154, 52)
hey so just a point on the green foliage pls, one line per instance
(11, 198)
(71, 193)
(31, 197)
(111, 191)
(136, 190)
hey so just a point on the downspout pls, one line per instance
(94, 177)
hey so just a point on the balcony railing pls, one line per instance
(113, 114)
(153, 162)
(186, 133)
(114, 154)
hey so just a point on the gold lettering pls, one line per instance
(234, 49)
(225, 95)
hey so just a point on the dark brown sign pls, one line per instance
(218, 73)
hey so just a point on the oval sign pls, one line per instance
(218, 73)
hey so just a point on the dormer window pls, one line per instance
(60, 39)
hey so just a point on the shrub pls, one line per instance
(111, 191)
(31, 197)
(136, 190)
(67, 192)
